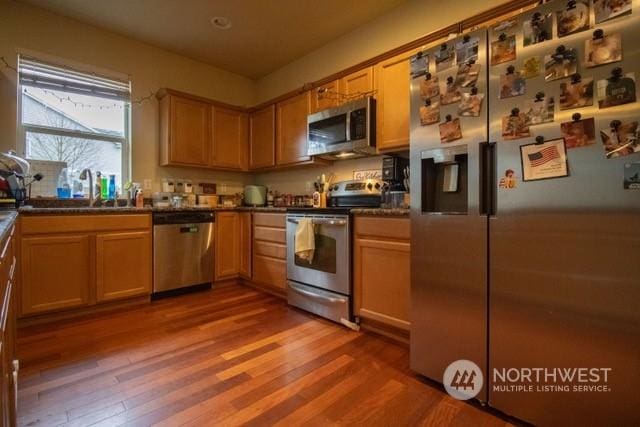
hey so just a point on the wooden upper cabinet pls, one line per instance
(358, 84)
(392, 109)
(188, 131)
(291, 130)
(120, 252)
(262, 138)
(230, 139)
(325, 96)
(56, 272)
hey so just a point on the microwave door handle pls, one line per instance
(348, 123)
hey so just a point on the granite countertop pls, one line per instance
(381, 211)
(85, 210)
(7, 219)
(29, 210)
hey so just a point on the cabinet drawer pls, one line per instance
(270, 271)
(273, 250)
(275, 235)
(276, 220)
(390, 228)
(49, 224)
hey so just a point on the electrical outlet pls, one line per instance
(223, 188)
(146, 184)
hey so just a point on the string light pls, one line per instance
(134, 102)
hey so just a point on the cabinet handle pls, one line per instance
(15, 392)
(6, 246)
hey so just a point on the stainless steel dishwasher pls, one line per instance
(182, 252)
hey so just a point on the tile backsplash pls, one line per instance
(50, 171)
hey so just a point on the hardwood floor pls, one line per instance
(232, 356)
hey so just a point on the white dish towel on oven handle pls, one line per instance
(305, 240)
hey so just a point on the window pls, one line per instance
(74, 120)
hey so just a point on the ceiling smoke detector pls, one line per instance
(221, 22)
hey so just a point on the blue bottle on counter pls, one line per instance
(112, 187)
(63, 188)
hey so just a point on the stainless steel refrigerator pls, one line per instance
(525, 221)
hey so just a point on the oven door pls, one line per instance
(330, 266)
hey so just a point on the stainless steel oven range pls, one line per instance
(321, 285)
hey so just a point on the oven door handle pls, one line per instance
(337, 222)
(315, 296)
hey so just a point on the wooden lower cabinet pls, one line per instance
(72, 261)
(270, 271)
(381, 258)
(227, 250)
(246, 237)
(122, 265)
(56, 272)
(8, 363)
(269, 251)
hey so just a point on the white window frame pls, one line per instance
(125, 140)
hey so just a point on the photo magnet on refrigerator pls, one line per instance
(632, 176)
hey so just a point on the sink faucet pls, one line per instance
(83, 175)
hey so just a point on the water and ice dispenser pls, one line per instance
(444, 180)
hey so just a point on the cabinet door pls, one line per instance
(227, 253)
(381, 281)
(270, 271)
(325, 96)
(392, 109)
(56, 272)
(358, 84)
(123, 265)
(245, 244)
(230, 139)
(262, 138)
(291, 130)
(189, 132)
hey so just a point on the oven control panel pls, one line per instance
(367, 187)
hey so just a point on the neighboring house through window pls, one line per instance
(74, 120)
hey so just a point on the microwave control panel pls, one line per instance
(358, 121)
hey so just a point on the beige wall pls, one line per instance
(30, 28)
(27, 27)
(406, 23)
(300, 181)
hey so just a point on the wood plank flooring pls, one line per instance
(231, 356)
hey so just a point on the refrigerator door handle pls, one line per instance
(488, 178)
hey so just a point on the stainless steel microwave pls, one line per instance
(343, 132)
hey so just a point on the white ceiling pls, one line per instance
(265, 34)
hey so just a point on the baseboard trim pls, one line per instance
(38, 319)
(280, 293)
(397, 335)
